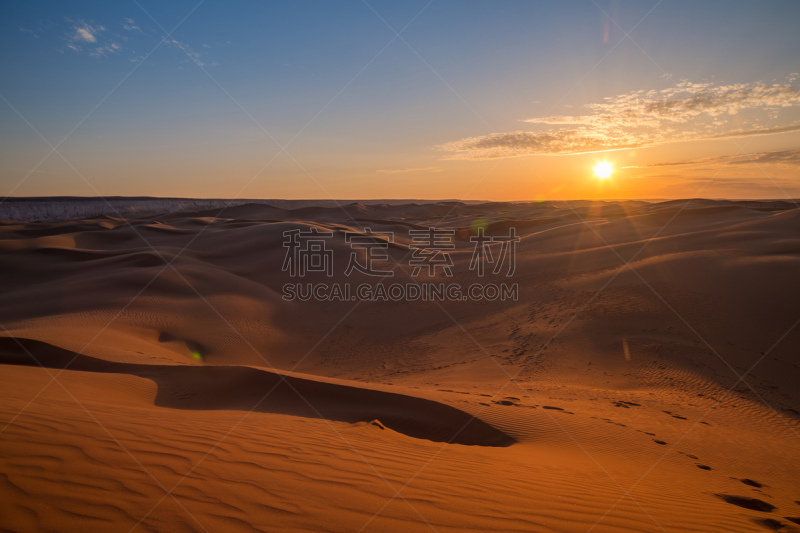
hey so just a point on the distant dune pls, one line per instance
(60, 208)
(157, 375)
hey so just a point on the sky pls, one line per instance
(432, 99)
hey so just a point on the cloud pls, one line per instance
(194, 57)
(97, 41)
(31, 32)
(783, 157)
(519, 143)
(83, 34)
(787, 157)
(130, 25)
(108, 48)
(686, 111)
(86, 33)
(84, 37)
(765, 188)
(756, 132)
(406, 170)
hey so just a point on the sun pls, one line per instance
(603, 170)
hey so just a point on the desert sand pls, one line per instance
(154, 378)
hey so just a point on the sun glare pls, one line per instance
(603, 170)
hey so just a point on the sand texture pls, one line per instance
(154, 378)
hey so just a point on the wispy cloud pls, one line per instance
(97, 40)
(783, 157)
(86, 33)
(129, 24)
(194, 57)
(409, 170)
(767, 188)
(85, 37)
(686, 111)
(31, 32)
(755, 132)
(82, 33)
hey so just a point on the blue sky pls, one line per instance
(494, 100)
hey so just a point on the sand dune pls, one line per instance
(251, 389)
(154, 377)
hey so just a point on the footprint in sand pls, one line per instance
(609, 421)
(770, 523)
(626, 405)
(557, 409)
(748, 503)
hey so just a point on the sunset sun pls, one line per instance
(603, 170)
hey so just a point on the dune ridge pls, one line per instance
(257, 389)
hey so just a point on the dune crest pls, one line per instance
(257, 389)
